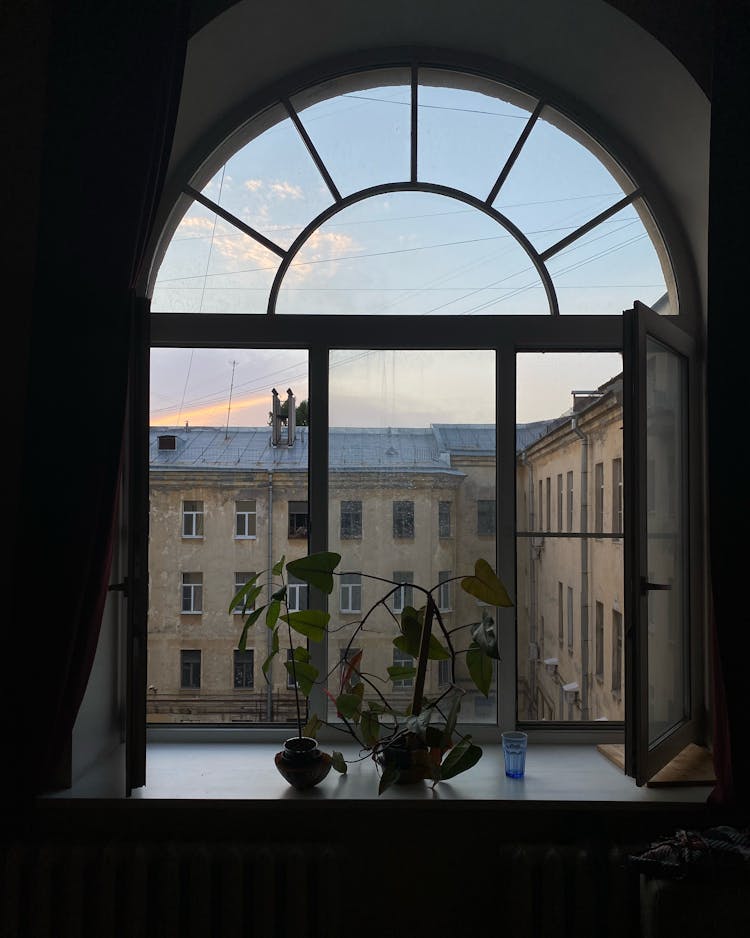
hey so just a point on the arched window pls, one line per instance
(438, 263)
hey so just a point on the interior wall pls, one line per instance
(620, 76)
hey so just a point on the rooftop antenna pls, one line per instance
(229, 405)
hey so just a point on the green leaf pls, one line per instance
(251, 620)
(349, 705)
(389, 777)
(278, 566)
(312, 726)
(434, 736)
(301, 654)
(451, 722)
(309, 622)
(273, 653)
(316, 569)
(480, 668)
(484, 634)
(462, 757)
(239, 598)
(398, 672)
(486, 586)
(279, 595)
(337, 762)
(370, 727)
(272, 613)
(305, 674)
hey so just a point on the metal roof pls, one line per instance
(423, 449)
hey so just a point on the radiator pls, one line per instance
(213, 890)
(169, 890)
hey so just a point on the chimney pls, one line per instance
(280, 420)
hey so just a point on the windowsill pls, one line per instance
(246, 771)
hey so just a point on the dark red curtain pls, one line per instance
(727, 403)
(113, 80)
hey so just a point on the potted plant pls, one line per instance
(409, 743)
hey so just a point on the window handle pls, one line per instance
(119, 587)
(646, 586)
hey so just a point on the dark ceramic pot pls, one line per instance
(409, 756)
(301, 762)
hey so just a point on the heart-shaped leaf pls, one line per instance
(349, 706)
(337, 762)
(305, 675)
(389, 777)
(461, 758)
(370, 727)
(486, 586)
(310, 729)
(316, 569)
(398, 672)
(301, 654)
(309, 622)
(480, 668)
(272, 613)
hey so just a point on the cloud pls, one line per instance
(286, 190)
(253, 184)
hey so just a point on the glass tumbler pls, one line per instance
(514, 753)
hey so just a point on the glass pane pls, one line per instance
(665, 538)
(467, 130)
(416, 429)
(569, 576)
(212, 267)
(223, 461)
(558, 182)
(608, 268)
(412, 253)
(361, 127)
(272, 183)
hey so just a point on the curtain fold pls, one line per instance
(113, 82)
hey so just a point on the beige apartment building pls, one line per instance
(411, 505)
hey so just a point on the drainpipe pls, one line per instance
(585, 641)
(269, 634)
(532, 584)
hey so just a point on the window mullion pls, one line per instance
(505, 391)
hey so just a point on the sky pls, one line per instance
(410, 253)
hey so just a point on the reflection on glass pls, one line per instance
(223, 503)
(606, 269)
(272, 183)
(569, 588)
(360, 126)
(665, 538)
(557, 184)
(411, 456)
(466, 133)
(212, 267)
(412, 253)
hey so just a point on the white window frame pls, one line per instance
(296, 594)
(350, 593)
(184, 660)
(191, 602)
(246, 515)
(249, 660)
(239, 581)
(401, 658)
(445, 591)
(404, 595)
(193, 519)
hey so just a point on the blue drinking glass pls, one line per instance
(514, 752)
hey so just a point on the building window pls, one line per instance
(617, 496)
(192, 519)
(245, 517)
(244, 669)
(403, 519)
(444, 519)
(190, 669)
(560, 614)
(599, 498)
(297, 520)
(599, 626)
(444, 591)
(351, 592)
(486, 516)
(402, 660)
(344, 659)
(403, 596)
(570, 618)
(541, 510)
(239, 581)
(570, 500)
(192, 592)
(351, 520)
(444, 672)
(559, 501)
(616, 652)
(548, 502)
(296, 594)
(290, 683)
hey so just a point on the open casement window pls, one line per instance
(662, 672)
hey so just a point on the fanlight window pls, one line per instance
(413, 191)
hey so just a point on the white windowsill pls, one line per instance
(246, 771)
